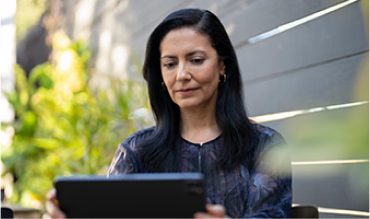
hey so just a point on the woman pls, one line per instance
(195, 92)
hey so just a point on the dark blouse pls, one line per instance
(262, 192)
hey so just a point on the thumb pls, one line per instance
(216, 210)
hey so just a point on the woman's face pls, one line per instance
(190, 69)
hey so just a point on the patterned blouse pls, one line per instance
(265, 191)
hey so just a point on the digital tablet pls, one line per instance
(156, 195)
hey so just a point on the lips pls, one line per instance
(187, 91)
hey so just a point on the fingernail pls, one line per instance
(199, 215)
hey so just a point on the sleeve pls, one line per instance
(270, 192)
(124, 161)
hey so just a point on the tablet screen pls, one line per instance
(155, 195)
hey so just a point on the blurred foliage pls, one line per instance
(62, 126)
(342, 134)
(28, 14)
(339, 134)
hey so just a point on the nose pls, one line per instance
(183, 73)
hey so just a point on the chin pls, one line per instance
(187, 105)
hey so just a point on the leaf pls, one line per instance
(28, 124)
(47, 143)
(64, 126)
(39, 77)
(21, 85)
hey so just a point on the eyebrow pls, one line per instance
(187, 55)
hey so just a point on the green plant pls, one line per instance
(62, 126)
(28, 14)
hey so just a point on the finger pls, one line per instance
(52, 194)
(45, 216)
(54, 211)
(52, 207)
(216, 210)
(202, 215)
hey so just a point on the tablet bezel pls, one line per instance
(139, 195)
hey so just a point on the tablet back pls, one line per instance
(159, 195)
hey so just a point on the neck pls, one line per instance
(200, 126)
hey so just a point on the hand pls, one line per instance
(213, 211)
(52, 208)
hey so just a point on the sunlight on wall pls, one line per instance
(120, 56)
(105, 42)
(7, 57)
(83, 18)
(288, 26)
(230, 28)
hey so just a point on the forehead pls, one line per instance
(184, 38)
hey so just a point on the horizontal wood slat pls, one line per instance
(328, 84)
(339, 186)
(341, 134)
(338, 34)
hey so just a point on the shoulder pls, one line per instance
(272, 153)
(131, 141)
(125, 159)
(270, 142)
(268, 135)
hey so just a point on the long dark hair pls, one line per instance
(160, 151)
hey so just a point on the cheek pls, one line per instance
(211, 76)
(168, 79)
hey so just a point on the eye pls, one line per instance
(197, 61)
(169, 65)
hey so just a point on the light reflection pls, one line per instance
(339, 211)
(317, 109)
(329, 162)
(276, 116)
(346, 105)
(343, 211)
(288, 26)
(288, 114)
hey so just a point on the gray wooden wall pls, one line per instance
(311, 80)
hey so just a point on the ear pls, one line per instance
(222, 67)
